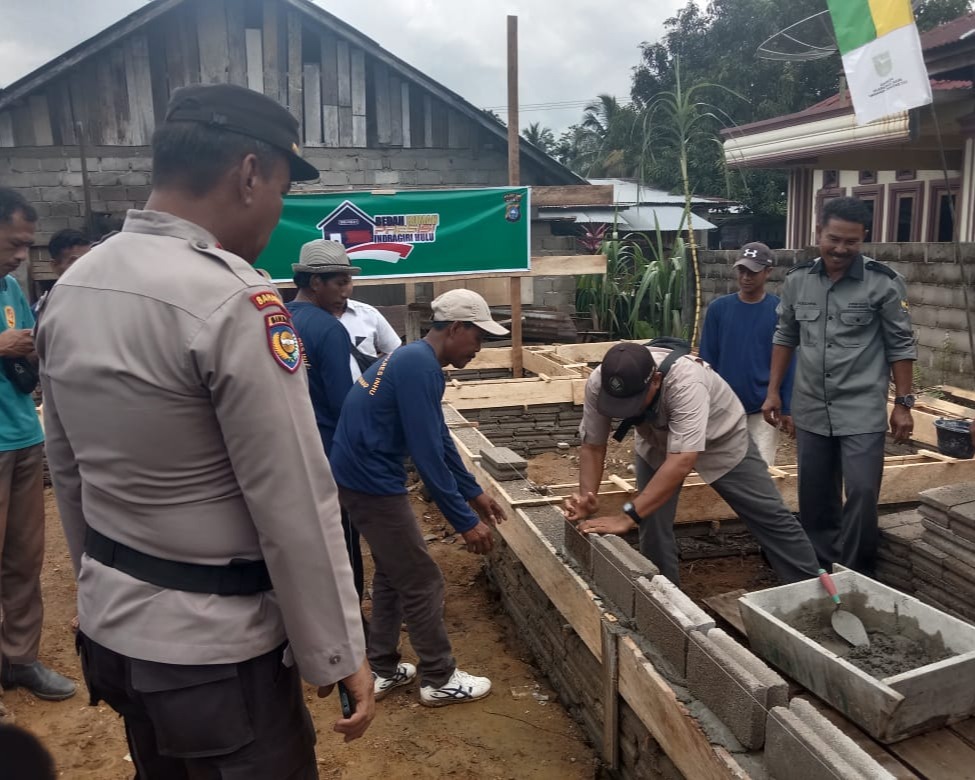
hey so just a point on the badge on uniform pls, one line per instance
(11, 316)
(283, 341)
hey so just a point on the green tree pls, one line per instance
(542, 137)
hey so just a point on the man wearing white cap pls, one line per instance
(393, 411)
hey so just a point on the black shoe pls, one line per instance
(44, 683)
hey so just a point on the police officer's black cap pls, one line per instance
(245, 112)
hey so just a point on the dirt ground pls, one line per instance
(519, 731)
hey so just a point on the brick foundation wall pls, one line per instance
(540, 428)
(934, 290)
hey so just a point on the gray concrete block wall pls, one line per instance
(666, 616)
(529, 430)
(616, 568)
(934, 290)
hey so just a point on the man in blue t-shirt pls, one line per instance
(21, 474)
(326, 348)
(394, 411)
(737, 341)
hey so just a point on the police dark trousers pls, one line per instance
(243, 721)
(750, 492)
(845, 533)
(408, 585)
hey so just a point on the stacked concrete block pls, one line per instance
(800, 744)
(665, 616)
(899, 533)
(577, 548)
(503, 463)
(734, 684)
(616, 568)
(529, 430)
(944, 556)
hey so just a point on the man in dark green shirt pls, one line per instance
(847, 318)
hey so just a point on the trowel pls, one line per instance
(847, 625)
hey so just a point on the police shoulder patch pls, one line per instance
(266, 298)
(283, 341)
(886, 270)
(807, 264)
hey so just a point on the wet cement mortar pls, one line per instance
(897, 644)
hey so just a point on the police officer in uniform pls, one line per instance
(847, 317)
(199, 507)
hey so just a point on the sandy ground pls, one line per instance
(519, 731)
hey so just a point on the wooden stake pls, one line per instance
(514, 178)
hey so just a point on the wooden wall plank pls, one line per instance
(357, 70)
(294, 63)
(23, 125)
(104, 122)
(271, 50)
(138, 79)
(62, 121)
(330, 89)
(236, 42)
(120, 96)
(395, 111)
(177, 63)
(440, 135)
(407, 117)
(312, 109)
(343, 73)
(213, 41)
(191, 44)
(345, 126)
(6, 128)
(157, 71)
(78, 85)
(41, 119)
(255, 58)
(382, 107)
(458, 130)
(427, 121)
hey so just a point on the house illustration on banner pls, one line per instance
(355, 230)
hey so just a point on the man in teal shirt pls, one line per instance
(21, 475)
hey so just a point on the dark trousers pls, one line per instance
(845, 533)
(354, 547)
(752, 495)
(243, 721)
(408, 585)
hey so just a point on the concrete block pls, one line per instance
(734, 684)
(800, 744)
(616, 567)
(508, 464)
(946, 497)
(665, 616)
(578, 548)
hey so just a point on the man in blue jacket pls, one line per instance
(737, 341)
(392, 411)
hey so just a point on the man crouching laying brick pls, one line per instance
(686, 417)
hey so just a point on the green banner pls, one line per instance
(412, 233)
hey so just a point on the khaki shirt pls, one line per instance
(179, 424)
(698, 412)
(846, 335)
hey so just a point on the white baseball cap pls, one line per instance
(466, 306)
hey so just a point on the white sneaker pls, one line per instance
(461, 687)
(405, 674)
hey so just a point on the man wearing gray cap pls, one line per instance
(392, 411)
(326, 349)
(198, 505)
(737, 341)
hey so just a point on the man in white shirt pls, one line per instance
(371, 334)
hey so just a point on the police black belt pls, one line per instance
(238, 578)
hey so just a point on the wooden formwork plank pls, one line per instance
(589, 353)
(511, 392)
(573, 195)
(539, 363)
(958, 392)
(668, 720)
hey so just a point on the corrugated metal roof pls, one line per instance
(949, 32)
(639, 218)
(630, 191)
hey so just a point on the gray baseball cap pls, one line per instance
(755, 256)
(466, 306)
(324, 257)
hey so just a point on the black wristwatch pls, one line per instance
(905, 400)
(629, 509)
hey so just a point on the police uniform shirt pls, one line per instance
(697, 412)
(179, 424)
(846, 335)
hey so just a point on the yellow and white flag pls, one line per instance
(882, 56)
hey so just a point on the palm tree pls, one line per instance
(676, 121)
(539, 136)
(603, 138)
